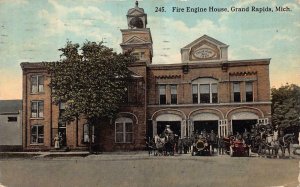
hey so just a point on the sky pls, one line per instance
(34, 30)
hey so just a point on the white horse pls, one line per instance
(159, 145)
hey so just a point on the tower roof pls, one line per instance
(136, 10)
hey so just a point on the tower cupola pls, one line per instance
(136, 17)
(137, 38)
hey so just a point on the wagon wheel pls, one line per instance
(231, 151)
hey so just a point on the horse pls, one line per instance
(170, 144)
(271, 144)
(184, 145)
(150, 146)
(285, 143)
(159, 145)
(213, 142)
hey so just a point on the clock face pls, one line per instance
(205, 53)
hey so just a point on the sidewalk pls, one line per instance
(9, 155)
(128, 155)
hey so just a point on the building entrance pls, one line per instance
(241, 125)
(175, 126)
(62, 134)
(208, 126)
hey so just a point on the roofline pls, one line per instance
(217, 63)
(10, 113)
(205, 37)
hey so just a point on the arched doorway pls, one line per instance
(243, 120)
(175, 121)
(205, 122)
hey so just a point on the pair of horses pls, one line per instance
(164, 145)
(273, 145)
(265, 140)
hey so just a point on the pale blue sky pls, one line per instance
(33, 30)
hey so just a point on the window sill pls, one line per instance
(124, 142)
(37, 118)
(37, 93)
(36, 144)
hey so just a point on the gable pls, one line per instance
(135, 40)
(204, 48)
(135, 12)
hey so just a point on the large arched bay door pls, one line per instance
(243, 120)
(205, 122)
(176, 123)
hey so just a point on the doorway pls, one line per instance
(241, 125)
(207, 125)
(175, 126)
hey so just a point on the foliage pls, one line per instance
(91, 80)
(286, 105)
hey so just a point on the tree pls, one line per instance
(90, 80)
(286, 105)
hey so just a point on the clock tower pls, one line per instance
(137, 38)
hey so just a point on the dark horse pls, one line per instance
(285, 143)
(184, 145)
(170, 144)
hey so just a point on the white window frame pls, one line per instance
(38, 113)
(239, 87)
(210, 92)
(176, 89)
(208, 81)
(139, 55)
(252, 87)
(165, 87)
(123, 121)
(39, 87)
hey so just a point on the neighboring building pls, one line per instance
(205, 92)
(10, 125)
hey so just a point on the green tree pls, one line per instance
(286, 105)
(91, 80)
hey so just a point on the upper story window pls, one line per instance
(214, 93)
(132, 93)
(173, 94)
(249, 91)
(236, 92)
(37, 109)
(204, 93)
(139, 55)
(205, 90)
(37, 134)
(124, 130)
(195, 93)
(37, 83)
(162, 94)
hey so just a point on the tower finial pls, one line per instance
(136, 4)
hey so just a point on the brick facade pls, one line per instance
(203, 88)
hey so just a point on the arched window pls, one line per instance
(205, 90)
(124, 130)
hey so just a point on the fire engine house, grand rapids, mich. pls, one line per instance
(206, 91)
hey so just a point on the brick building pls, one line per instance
(204, 92)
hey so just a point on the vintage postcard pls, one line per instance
(150, 93)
